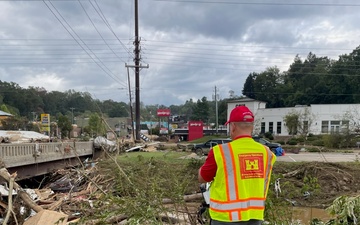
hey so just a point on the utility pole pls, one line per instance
(216, 112)
(137, 71)
(131, 106)
(72, 115)
(137, 67)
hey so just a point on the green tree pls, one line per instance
(64, 125)
(14, 123)
(299, 121)
(267, 86)
(4, 108)
(291, 122)
(305, 80)
(201, 110)
(249, 89)
(96, 125)
(188, 108)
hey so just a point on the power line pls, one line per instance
(114, 78)
(260, 3)
(244, 45)
(218, 50)
(102, 16)
(98, 30)
(248, 70)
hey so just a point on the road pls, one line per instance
(323, 157)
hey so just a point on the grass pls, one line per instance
(166, 156)
(141, 180)
(206, 138)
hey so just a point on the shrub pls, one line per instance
(313, 149)
(281, 142)
(332, 140)
(312, 138)
(299, 139)
(269, 136)
(292, 142)
(318, 142)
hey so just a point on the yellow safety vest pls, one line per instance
(240, 186)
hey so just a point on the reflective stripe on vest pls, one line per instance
(237, 205)
(270, 157)
(234, 204)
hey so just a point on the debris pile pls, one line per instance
(55, 204)
(14, 136)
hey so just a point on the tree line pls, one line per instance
(27, 104)
(314, 80)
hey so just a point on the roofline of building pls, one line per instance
(245, 100)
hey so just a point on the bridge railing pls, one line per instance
(13, 155)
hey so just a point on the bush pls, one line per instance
(313, 149)
(299, 139)
(281, 142)
(292, 142)
(312, 138)
(332, 140)
(318, 142)
(269, 136)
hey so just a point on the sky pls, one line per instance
(193, 48)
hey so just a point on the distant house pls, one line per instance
(3, 116)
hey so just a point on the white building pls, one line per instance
(316, 118)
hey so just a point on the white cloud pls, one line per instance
(190, 48)
(51, 81)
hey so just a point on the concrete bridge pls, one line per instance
(33, 159)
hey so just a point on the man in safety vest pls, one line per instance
(240, 173)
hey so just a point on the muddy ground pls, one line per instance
(317, 184)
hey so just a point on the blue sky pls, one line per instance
(190, 46)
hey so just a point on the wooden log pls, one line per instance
(23, 195)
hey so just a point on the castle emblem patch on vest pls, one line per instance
(251, 165)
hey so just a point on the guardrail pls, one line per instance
(14, 155)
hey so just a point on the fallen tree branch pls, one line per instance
(23, 195)
(187, 198)
(9, 209)
(292, 173)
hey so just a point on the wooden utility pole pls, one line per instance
(131, 106)
(137, 67)
(137, 71)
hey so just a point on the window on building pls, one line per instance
(271, 127)
(325, 127)
(335, 126)
(278, 128)
(262, 131)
